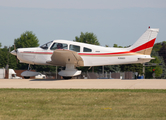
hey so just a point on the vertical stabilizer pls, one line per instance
(145, 43)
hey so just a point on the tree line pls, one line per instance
(29, 39)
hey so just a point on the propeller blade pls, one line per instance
(17, 59)
(16, 52)
(14, 46)
(9, 49)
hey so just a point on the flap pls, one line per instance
(61, 57)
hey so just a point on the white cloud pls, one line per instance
(84, 4)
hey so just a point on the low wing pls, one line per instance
(61, 57)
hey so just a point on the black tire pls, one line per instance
(26, 77)
(66, 77)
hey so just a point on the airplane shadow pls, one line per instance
(50, 79)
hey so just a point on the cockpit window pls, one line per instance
(46, 46)
(59, 46)
(75, 48)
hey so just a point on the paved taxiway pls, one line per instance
(84, 83)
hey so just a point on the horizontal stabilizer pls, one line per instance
(146, 58)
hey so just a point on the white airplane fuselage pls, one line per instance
(98, 57)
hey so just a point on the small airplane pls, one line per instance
(75, 54)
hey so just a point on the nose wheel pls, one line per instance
(26, 77)
(29, 68)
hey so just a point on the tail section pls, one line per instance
(144, 44)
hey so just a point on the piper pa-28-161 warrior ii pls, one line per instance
(75, 54)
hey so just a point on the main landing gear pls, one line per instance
(69, 71)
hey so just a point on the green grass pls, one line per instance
(80, 104)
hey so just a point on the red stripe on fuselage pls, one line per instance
(38, 52)
(104, 53)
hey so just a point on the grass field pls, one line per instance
(79, 104)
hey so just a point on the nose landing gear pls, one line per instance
(27, 74)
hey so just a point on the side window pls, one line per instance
(74, 48)
(87, 50)
(59, 46)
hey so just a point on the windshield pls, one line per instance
(46, 46)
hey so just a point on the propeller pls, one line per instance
(7, 66)
(14, 52)
(15, 48)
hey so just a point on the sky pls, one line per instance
(119, 22)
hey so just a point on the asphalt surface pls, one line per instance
(84, 83)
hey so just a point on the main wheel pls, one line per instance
(66, 77)
(26, 77)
